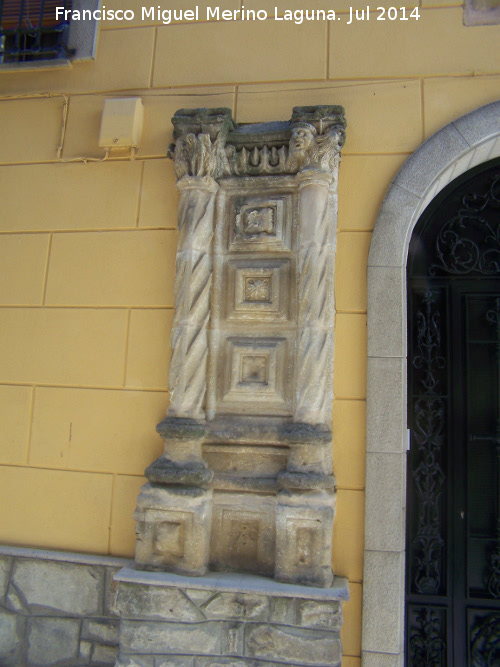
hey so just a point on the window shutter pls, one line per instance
(26, 14)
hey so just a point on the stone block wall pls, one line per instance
(55, 609)
(70, 610)
(226, 619)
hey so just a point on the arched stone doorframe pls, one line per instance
(458, 147)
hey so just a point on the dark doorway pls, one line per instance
(453, 474)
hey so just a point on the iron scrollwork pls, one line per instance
(485, 641)
(428, 434)
(469, 242)
(493, 317)
(427, 639)
(428, 358)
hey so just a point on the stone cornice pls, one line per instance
(209, 143)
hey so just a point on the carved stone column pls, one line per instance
(316, 305)
(306, 504)
(174, 509)
(193, 282)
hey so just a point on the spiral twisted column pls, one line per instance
(305, 506)
(315, 296)
(174, 509)
(193, 281)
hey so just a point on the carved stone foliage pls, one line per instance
(200, 138)
(248, 429)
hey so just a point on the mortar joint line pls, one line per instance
(153, 57)
(422, 107)
(30, 425)
(111, 512)
(127, 339)
(139, 196)
(46, 274)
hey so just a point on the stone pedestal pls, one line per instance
(174, 510)
(304, 523)
(226, 620)
(173, 529)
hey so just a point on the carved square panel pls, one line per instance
(243, 540)
(307, 545)
(259, 289)
(259, 222)
(304, 542)
(243, 536)
(246, 461)
(168, 534)
(168, 538)
(254, 369)
(256, 375)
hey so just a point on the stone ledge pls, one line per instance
(233, 582)
(63, 556)
(166, 472)
(265, 431)
(137, 660)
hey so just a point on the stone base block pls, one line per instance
(304, 525)
(173, 529)
(224, 619)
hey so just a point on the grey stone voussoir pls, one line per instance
(104, 655)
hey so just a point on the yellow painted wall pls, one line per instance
(87, 248)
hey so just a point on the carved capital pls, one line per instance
(314, 176)
(204, 184)
(317, 136)
(200, 137)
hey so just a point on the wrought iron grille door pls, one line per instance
(453, 476)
